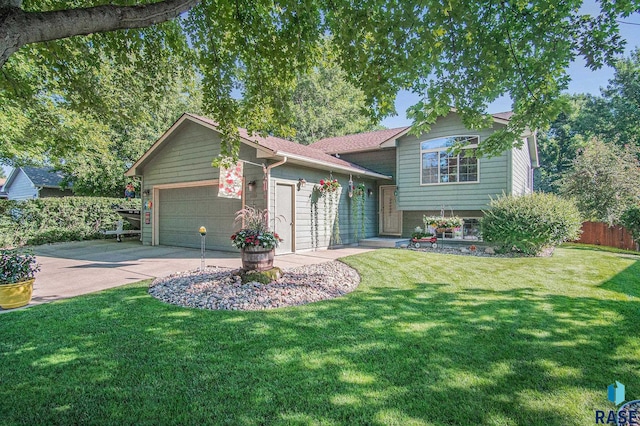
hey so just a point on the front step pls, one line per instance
(382, 242)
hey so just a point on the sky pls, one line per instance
(583, 80)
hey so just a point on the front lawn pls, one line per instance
(426, 339)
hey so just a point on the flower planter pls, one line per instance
(257, 258)
(418, 242)
(16, 295)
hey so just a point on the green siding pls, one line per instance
(291, 173)
(493, 174)
(520, 169)
(381, 161)
(186, 156)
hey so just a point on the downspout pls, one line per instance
(267, 183)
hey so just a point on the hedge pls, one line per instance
(49, 220)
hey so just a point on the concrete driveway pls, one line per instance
(72, 269)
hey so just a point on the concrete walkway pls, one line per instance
(72, 269)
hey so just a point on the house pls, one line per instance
(427, 180)
(3, 195)
(27, 183)
(388, 180)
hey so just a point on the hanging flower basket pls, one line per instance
(329, 185)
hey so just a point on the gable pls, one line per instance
(265, 148)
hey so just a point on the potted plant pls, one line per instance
(420, 234)
(256, 241)
(442, 224)
(16, 278)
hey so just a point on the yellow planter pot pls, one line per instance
(16, 295)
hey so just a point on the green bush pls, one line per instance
(530, 223)
(50, 220)
(631, 221)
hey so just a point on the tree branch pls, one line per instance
(18, 28)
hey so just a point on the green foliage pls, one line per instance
(558, 147)
(255, 230)
(250, 54)
(358, 218)
(17, 266)
(324, 104)
(604, 181)
(630, 219)
(93, 136)
(613, 117)
(49, 220)
(530, 223)
(419, 233)
(443, 222)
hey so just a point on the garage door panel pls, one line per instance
(183, 210)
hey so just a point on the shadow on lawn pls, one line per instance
(381, 355)
(626, 282)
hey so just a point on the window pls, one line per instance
(441, 166)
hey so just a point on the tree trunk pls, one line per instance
(18, 28)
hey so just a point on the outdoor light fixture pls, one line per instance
(252, 186)
(369, 192)
(301, 183)
(146, 192)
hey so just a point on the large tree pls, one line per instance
(93, 143)
(461, 54)
(603, 181)
(324, 104)
(613, 117)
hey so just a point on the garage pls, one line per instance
(182, 211)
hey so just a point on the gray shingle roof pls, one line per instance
(43, 177)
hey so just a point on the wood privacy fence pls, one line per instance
(602, 234)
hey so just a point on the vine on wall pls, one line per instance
(328, 190)
(357, 211)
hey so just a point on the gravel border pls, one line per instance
(221, 288)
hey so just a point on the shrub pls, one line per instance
(49, 220)
(530, 223)
(631, 220)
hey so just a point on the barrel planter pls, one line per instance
(257, 258)
(16, 295)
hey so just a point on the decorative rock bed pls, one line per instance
(479, 252)
(222, 288)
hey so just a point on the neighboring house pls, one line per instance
(403, 177)
(3, 195)
(27, 183)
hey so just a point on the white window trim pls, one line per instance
(439, 150)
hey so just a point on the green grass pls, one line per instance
(426, 339)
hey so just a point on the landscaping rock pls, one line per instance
(489, 250)
(222, 288)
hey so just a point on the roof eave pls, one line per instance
(331, 166)
(12, 176)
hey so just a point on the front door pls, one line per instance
(390, 216)
(284, 220)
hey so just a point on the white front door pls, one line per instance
(285, 217)
(390, 216)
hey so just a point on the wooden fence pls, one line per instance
(602, 234)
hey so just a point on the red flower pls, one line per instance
(321, 181)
